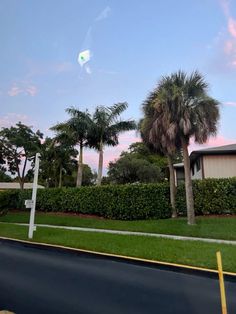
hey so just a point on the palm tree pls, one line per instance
(56, 158)
(154, 136)
(75, 131)
(105, 130)
(186, 111)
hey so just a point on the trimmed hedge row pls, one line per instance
(126, 202)
(211, 196)
(130, 202)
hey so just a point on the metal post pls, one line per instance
(34, 194)
(222, 285)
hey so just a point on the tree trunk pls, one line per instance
(21, 182)
(60, 177)
(100, 164)
(80, 167)
(188, 184)
(172, 186)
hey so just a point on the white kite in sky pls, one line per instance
(83, 59)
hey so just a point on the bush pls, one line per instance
(8, 199)
(129, 202)
(126, 202)
(211, 196)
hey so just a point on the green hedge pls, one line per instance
(126, 202)
(211, 196)
(129, 202)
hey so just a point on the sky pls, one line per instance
(132, 45)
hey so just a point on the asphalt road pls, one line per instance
(35, 280)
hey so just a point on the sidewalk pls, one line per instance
(134, 233)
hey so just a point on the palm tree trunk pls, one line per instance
(60, 177)
(188, 184)
(80, 167)
(172, 186)
(100, 164)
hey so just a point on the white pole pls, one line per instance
(34, 194)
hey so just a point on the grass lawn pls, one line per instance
(183, 252)
(206, 227)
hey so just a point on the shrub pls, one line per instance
(126, 202)
(8, 199)
(131, 201)
(211, 196)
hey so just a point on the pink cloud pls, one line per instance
(11, 119)
(229, 46)
(212, 142)
(31, 90)
(111, 153)
(22, 88)
(230, 103)
(36, 68)
(14, 91)
(225, 7)
(63, 67)
(232, 27)
(228, 59)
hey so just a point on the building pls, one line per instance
(16, 185)
(215, 162)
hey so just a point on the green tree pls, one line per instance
(19, 144)
(57, 160)
(4, 177)
(75, 131)
(186, 111)
(131, 169)
(105, 130)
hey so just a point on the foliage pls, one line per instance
(75, 132)
(89, 177)
(8, 199)
(125, 202)
(211, 196)
(19, 144)
(139, 164)
(130, 169)
(129, 202)
(106, 128)
(177, 110)
(57, 161)
(4, 177)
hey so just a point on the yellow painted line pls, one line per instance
(138, 259)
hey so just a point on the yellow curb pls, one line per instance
(122, 256)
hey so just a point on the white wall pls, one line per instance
(219, 166)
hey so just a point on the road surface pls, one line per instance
(38, 280)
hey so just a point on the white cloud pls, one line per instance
(104, 14)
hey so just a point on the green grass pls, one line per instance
(183, 252)
(206, 227)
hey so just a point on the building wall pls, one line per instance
(219, 166)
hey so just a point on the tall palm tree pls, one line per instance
(75, 131)
(186, 112)
(154, 136)
(106, 128)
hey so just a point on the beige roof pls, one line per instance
(16, 185)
